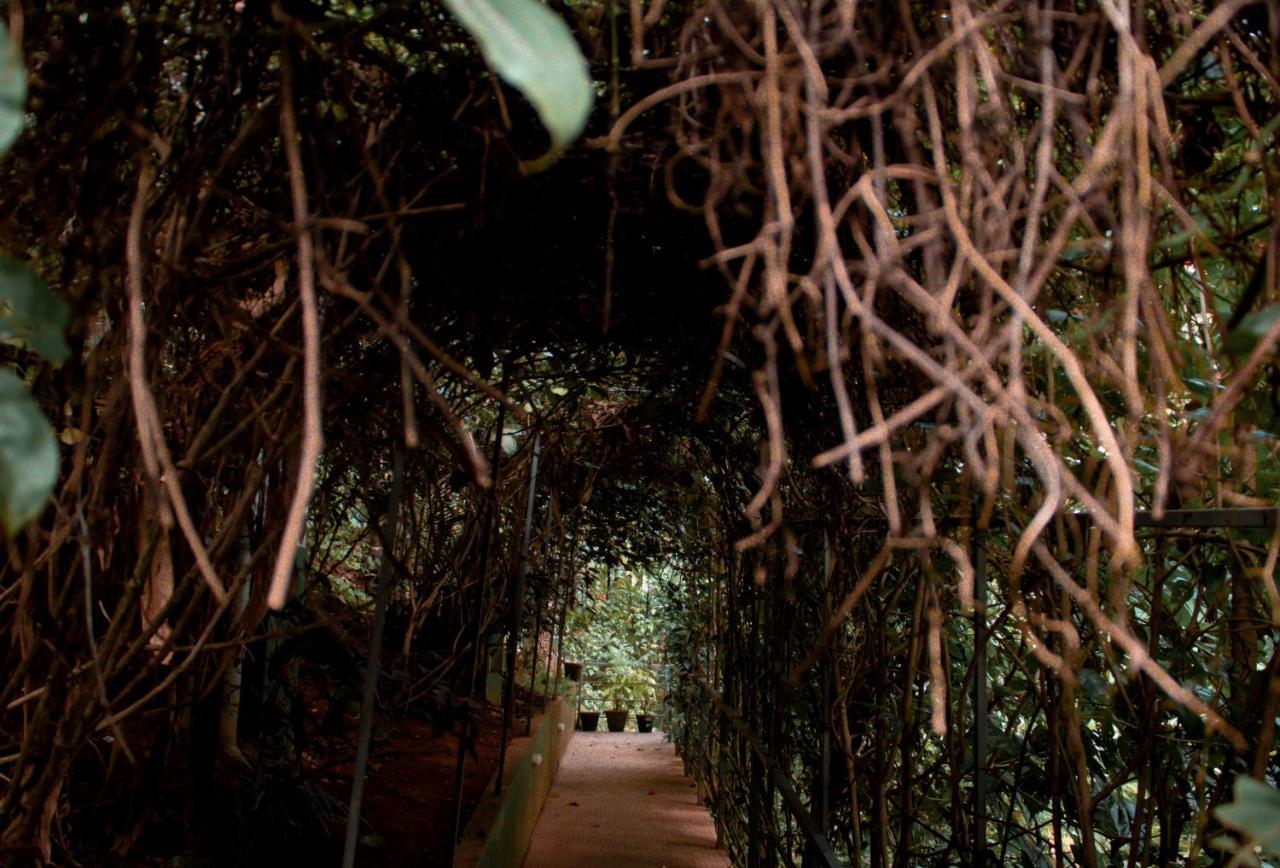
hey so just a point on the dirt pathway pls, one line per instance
(621, 800)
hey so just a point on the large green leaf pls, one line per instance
(13, 91)
(532, 49)
(30, 313)
(1255, 813)
(1245, 336)
(28, 454)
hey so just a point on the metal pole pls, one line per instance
(979, 699)
(731, 718)
(540, 604)
(460, 766)
(566, 597)
(558, 659)
(533, 665)
(513, 624)
(382, 591)
(551, 640)
(824, 810)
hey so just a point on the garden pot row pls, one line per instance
(589, 721)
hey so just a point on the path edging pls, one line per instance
(501, 827)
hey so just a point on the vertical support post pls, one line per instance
(557, 662)
(556, 625)
(490, 515)
(513, 623)
(382, 592)
(539, 608)
(750, 708)
(820, 802)
(566, 596)
(553, 631)
(824, 796)
(979, 698)
(555, 642)
(533, 665)
(229, 723)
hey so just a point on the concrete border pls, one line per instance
(500, 829)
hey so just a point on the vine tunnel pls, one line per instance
(916, 361)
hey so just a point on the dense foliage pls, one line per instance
(831, 304)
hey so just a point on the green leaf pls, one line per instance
(30, 314)
(532, 49)
(1254, 813)
(13, 91)
(28, 455)
(1230, 845)
(1202, 387)
(1245, 336)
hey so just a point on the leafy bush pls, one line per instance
(618, 636)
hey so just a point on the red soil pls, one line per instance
(408, 814)
(409, 811)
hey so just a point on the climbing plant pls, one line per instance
(804, 309)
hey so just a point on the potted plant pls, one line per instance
(647, 695)
(613, 626)
(619, 695)
(617, 718)
(620, 687)
(588, 719)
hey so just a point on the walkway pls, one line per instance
(621, 799)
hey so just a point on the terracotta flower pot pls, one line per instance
(617, 718)
(588, 721)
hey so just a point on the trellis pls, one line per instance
(909, 211)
